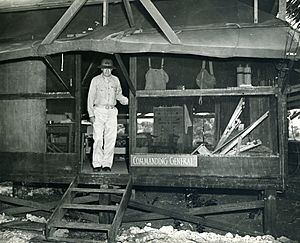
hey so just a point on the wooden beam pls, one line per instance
(125, 73)
(28, 203)
(48, 95)
(293, 89)
(112, 234)
(282, 10)
(262, 90)
(105, 13)
(77, 116)
(188, 217)
(160, 21)
(55, 69)
(255, 13)
(87, 72)
(63, 21)
(129, 12)
(218, 209)
(132, 107)
(270, 212)
(19, 6)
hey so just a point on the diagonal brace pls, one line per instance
(53, 67)
(160, 21)
(129, 12)
(126, 75)
(63, 21)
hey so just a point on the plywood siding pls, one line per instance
(22, 121)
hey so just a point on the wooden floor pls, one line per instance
(120, 166)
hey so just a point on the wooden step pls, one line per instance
(71, 240)
(95, 190)
(90, 207)
(84, 226)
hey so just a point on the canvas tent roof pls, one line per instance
(209, 28)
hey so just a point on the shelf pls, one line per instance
(232, 91)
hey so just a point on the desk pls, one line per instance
(55, 132)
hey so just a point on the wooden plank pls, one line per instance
(28, 203)
(187, 217)
(51, 205)
(282, 10)
(27, 209)
(223, 208)
(70, 240)
(26, 76)
(293, 89)
(160, 21)
(132, 106)
(245, 133)
(262, 90)
(63, 21)
(59, 212)
(83, 226)
(255, 12)
(112, 234)
(229, 207)
(282, 121)
(90, 207)
(125, 73)
(104, 13)
(19, 6)
(48, 95)
(184, 180)
(223, 166)
(77, 115)
(270, 212)
(101, 190)
(129, 13)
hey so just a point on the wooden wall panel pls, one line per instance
(23, 122)
(229, 166)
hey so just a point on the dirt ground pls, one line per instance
(169, 230)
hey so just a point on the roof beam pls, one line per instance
(63, 21)
(160, 21)
(19, 6)
(129, 12)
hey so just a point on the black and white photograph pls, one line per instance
(149, 121)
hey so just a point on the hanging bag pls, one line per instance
(205, 79)
(156, 78)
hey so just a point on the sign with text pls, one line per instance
(163, 160)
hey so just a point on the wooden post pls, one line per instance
(282, 9)
(282, 123)
(132, 106)
(255, 9)
(77, 115)
(270, 212)
(105, 13)
(104, 199)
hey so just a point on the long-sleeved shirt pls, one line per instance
(104, 91)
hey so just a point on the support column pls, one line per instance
(270, 212)
(132, 106)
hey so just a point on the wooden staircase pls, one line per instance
(87, 208)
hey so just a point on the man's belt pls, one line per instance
(106, 106)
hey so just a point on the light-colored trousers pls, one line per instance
(104, 135)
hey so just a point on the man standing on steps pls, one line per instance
(104, 91)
